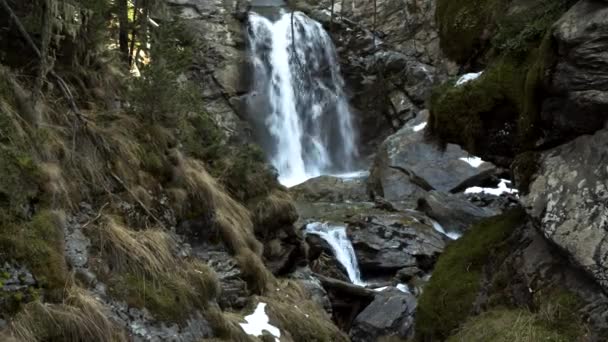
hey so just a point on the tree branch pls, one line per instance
(62, 85)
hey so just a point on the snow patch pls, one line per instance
(468, 78)
(419, 127)
(473, 161)
(400, 287)
(258, 321)
(503, 188)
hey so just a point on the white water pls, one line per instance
(341, 246)
(468, 78)
(307, 120)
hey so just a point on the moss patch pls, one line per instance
(39, 245)
(557, 319)
(462, 24)
(508, 97)
(448, 298)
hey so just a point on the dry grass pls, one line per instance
(226, 326)
(274, 211)
(149, 252)
(299, 318)
(80, 318)
(231, 218)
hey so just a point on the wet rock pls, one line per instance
(391, 313)
(322, 259)
(569, 199)
(331, 189)
(387, 243)
(453, 213)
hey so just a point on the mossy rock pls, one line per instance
(463, 25)
(39, 245)
(448, 298)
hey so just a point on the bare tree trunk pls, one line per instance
(43, 67)
(136, 22)
(123, 29)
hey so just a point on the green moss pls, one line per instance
(448, 298)
(170, 297)
(518, 31)
(524, 168)
(521, 52)
(557, 318)
(507, 326)
(460, 114)
(38, 244)
(462, 24)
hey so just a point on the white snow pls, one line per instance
(419, 127)
(502, 188)
(473, 161)
(468, 78)
(258, 321)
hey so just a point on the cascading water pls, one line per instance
(298, 105)
(343, 249)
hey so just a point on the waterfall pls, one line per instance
(343, 249)
(298, 106)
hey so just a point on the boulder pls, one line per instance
(391, 313)
(579, 83)
(569, 199)
(331, 189)
(313, 286)
(453, 213)
(386, 243)
(407, 165)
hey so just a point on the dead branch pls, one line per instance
(99, 213)
(141, 204)
(67, 94)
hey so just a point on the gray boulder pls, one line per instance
(387, 243)
(453, 213)
(407, 165)
(580, 78)
(331, 189)
(390, 314)
(569, 199)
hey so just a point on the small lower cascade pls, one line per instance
(343, 249)
(298, 107)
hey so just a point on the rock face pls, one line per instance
(220, 59)
(569, 197)
(391, 313)
(387, 243)
(407, 165)
(580, 79)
